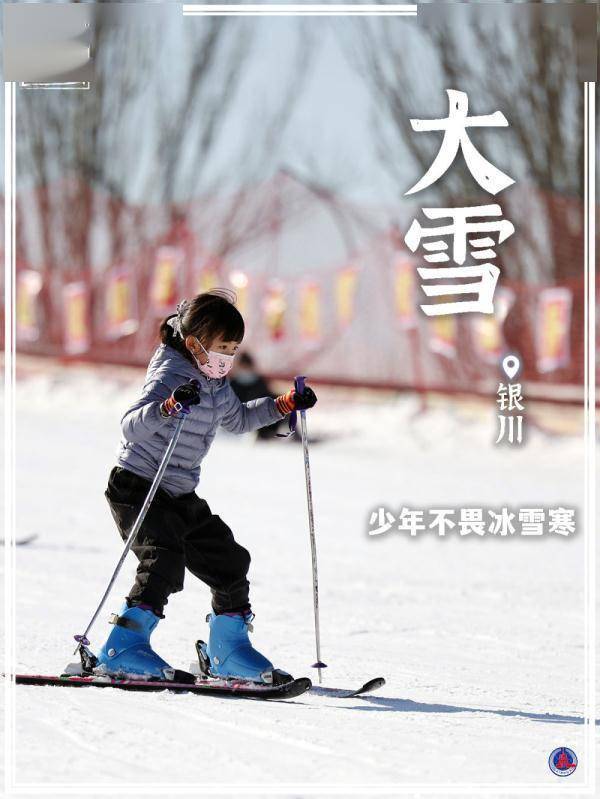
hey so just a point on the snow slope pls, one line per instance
(480, 640)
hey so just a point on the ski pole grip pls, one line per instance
(299, 383)
(299, 387)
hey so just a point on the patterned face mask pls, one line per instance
(218, 363)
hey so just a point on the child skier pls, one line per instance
(187, 375)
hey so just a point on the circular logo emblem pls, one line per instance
(563, 761)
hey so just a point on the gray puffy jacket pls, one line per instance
(146, 433)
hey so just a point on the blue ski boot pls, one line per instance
(127, 651)
(230, 654)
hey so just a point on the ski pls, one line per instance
(343, 693)
(209, 686)
(23, 541)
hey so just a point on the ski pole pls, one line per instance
(83, 639)
(299, 386)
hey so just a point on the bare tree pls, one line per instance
(70, 141)
(132, 141)
(527, 71)
(201, 105)
(248, 205)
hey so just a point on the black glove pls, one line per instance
(182, 399)
(294, 401)
(305, 400)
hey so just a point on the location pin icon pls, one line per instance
(511, 365)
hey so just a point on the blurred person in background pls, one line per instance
(249, 384)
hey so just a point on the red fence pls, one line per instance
(357, 324)
(354, 320)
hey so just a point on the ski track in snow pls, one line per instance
(480, 641)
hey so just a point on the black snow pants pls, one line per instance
(177, 533)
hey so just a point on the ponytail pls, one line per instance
(172, 339)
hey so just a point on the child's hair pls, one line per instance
(206, 316)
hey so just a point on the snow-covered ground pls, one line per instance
(480, 639)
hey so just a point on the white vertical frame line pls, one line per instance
(590, 426)
(9, 437)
